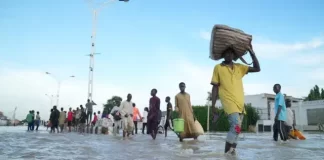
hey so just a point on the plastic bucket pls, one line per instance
(178, 125)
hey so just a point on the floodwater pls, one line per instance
(16, 143)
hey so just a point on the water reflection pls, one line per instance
(16, 143)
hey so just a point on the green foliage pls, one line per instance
(111, 103)
(222, 123)
(315, 94)
(252, 115)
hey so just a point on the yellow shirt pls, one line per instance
(230, 83)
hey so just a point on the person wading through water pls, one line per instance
(62, 119)
(136, 116)
(82, 124)
(227, 84)
(153, 114)
(49, 123)
(29, 120)
(144, 120)
(33, 123)
(70, 119)
(77, 117)
(54, 118)
(126, 111)
(38, 121)
(116, 117)
(281, 115)
(168, 118)
(184, 108)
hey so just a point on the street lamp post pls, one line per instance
(95, 11)
(50, 98)
(58, 86)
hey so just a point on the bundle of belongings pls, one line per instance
(224, 37)
(117, 116)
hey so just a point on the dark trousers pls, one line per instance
(167, 124)
(152, 125)
(135, 127)
(89, 115)
(54, 126)
(281, 129)
(33, 125)
(37, 124)
(29, 127)
(143, 127)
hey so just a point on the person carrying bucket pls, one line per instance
(184, 108)
(227, 84)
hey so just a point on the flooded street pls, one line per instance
(16, 143)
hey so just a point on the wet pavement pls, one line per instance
(16, 143)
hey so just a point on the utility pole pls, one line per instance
(95, 11)
(209, 98)
(14, 117)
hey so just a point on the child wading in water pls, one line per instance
(290, 125)
(105, 125)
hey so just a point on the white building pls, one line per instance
(310, 114)
(264, 103)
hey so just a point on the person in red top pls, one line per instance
(95, 119)
(70, 118)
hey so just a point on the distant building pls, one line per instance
(15, 122)
(310, 114)
(3, 120)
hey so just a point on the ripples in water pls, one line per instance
(16, 143)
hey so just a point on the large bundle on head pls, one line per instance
(223, 37)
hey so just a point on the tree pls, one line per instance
(253, 117)
(315, 94)
(111, 103)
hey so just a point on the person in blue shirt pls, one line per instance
(281, 115)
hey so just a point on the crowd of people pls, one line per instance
(33, 120)
(123, 116)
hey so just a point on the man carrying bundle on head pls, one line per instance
(231, 44)
(227, 84)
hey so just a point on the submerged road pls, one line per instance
(16, 143)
